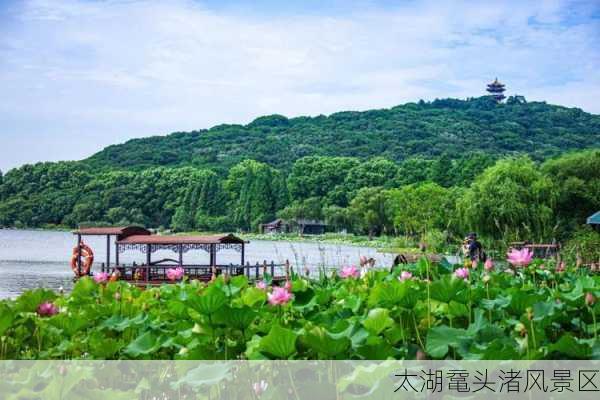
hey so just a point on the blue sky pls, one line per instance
(76, 76)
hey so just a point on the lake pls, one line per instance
(32, 259)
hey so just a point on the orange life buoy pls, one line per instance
(88, 259)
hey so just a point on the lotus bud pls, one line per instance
(260, 387)
(117, 296)
(590, 300)
(488, 265)
(183, 351)
(486, 279)
(520, 328)
(529, 313)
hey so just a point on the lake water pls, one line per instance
(31, 259)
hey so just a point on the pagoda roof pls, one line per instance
(496, 83)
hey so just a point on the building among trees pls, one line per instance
(302, 226)
(496, 90)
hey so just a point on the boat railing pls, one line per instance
(158, 271)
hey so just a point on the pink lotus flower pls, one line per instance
(47, 309)
(520, 258)
(260, 387)
(462, 273)
(288, 286)
(101, 277)
(488, 265)
(175, 274)
(560, 267)
(474, 264)
(262, 285)
(405, 275)
(279, 296)
(349, 272)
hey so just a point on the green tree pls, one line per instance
(254, 193)
(368, 211)
(577, 178)
(377, 172)
(511, 199)
(418, 208)
(319, 177)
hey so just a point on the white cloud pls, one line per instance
(103, 72)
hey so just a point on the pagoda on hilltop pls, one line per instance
(496, 90)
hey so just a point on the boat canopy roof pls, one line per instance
(121, 231)
(175, 240)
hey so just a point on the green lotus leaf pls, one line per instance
(378, 320)
(322, 342)
(7, 316)
(209, 301)
(279, 343)
(571, 348)
(440, 338)
(253, 297)
(447, 288)
(144, 344)
(239, 318)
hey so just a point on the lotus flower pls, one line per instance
(288, 286)
(520, 258)
(175, 274)
(405, 275)
(474, 264)
(47, 309)
(279, 296)
(462, 273)
(260, 387)
(349, 272)
(488, 265)
(101, 277)
(560, 267)
(262, 285)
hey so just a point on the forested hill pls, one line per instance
(429, 129)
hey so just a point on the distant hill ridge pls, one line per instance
(428, 129)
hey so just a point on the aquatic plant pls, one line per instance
(530, 314)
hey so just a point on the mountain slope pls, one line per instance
(450, 126)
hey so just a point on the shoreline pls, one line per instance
(383, 244)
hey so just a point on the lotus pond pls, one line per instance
(418, 311)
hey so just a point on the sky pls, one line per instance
(79, 75)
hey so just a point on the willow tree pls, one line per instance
(511, 199)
